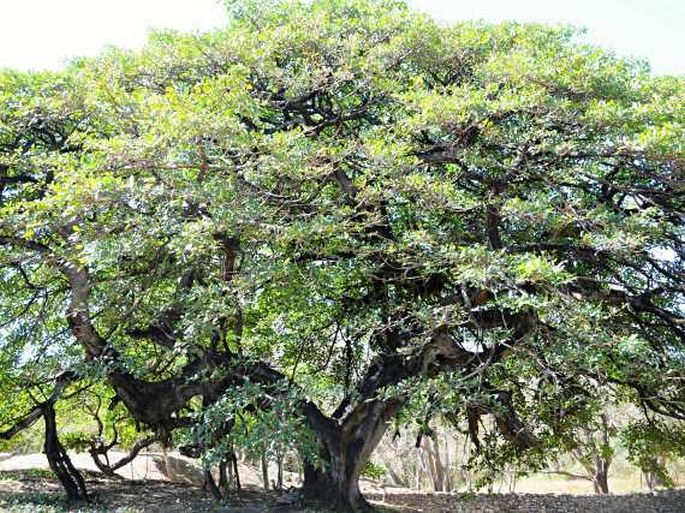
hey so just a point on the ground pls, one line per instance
(165, 483)
(153, 483)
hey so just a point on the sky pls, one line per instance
(38, 34)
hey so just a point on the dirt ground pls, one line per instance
(152, 483)
(18, 488)
(168, 483)
(28, 491)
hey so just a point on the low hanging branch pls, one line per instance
(30, 418)
(26, 422)
(97, 450)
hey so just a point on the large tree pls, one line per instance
(345, 203)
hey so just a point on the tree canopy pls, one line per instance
(343, 214)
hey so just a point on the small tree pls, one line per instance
(594, 450)
(651, 444)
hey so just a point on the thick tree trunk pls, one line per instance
(601, 478)
(345, 447)
(652, 480)
(349, 436)
(60, 464)
(337, 483)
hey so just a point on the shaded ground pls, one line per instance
(21, 487)
(33, 490)
(30, 490)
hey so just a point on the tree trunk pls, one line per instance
(236, 474)
(433, 463)
(59, 461)
(337, 483)
(210, 484)
(279, 476)
(348, 437)
(224, 481)
(265, 472)
(447, 465)
(345, 446)
(652, 480)
(600, 478)
(600, 482)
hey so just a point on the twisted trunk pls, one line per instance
(70, 478)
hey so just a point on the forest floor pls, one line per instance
(29, 491)
(159, 483)
(153, 483)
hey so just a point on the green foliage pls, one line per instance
(373, 471)
(39, 473)
(651, 445)
(271, 432)
(76, 441)
(35, 503)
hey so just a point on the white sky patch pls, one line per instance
(647, 29)
(36, 34)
